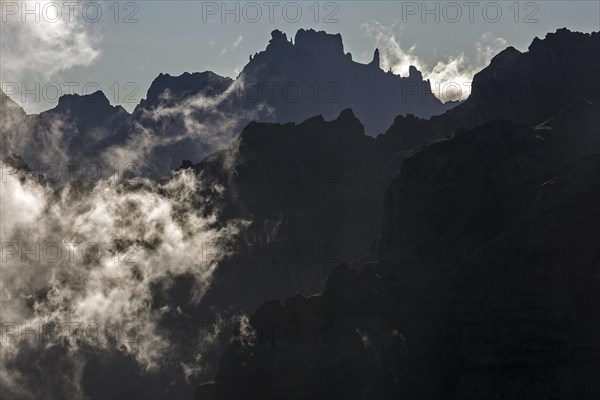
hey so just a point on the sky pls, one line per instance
(54, 48)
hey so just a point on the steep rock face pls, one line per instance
(312, 192)
(483, 174)
(573, 130)
(456, 184)
(452, 221)
(488, 290)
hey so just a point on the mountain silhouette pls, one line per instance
(392, 245)
(478, 281)
(313, 75)
(482, 269)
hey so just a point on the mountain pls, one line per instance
(312, 75)
(9, 109)
(264, 145)
(531, 87)
(482, 283)
(190, 116)
(92, 124)
(167, 90)
(68, 140)
(312, 193)
(528, 88)
(193, 115)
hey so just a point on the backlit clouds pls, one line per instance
(450, 77)
(37, 47)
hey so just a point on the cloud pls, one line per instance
(45, 47)
(237, 42)
(101, 257)
(37, 51)
(450, 77)
(206, 122)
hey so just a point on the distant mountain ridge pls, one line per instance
(527, 88)
(329, 81)
(194, 114)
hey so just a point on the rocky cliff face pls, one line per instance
(312, 192)
(484, 287)
(485, 276)
(483, 282)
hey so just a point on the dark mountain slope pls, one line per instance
(487, 292)
(311, 191)
(527, 88)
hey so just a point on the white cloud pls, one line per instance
(38, 51)
(450, 77)
(164, 230)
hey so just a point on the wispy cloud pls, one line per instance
(46, 47)
(237, 41)
(450, 77)
(146, 234)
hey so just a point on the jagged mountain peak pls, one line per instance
(330, 81)
(319, 42)
(95, 97)
(414, 73)
(86, 105)
(278, 37)
(562, 36)
(376, 59)
(186, 84)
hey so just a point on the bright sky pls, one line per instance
(73, 48)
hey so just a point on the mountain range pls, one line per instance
(484, 278)
(394, 246)
(195, 114)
